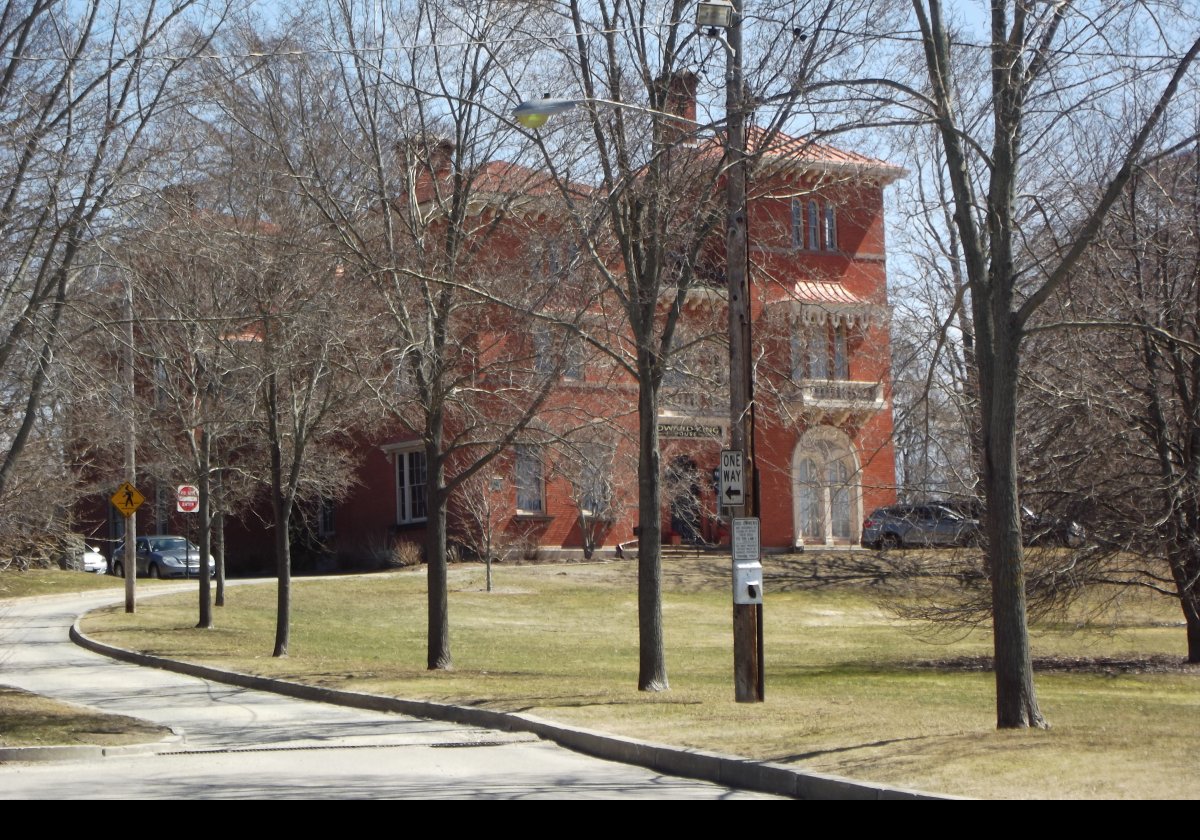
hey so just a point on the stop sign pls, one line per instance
(187, 498)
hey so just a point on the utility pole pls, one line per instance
(747, 617)
(130, 560)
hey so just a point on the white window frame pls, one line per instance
(410, 486)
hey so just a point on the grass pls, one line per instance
(29, 720)
(850, 689)
(21, 584)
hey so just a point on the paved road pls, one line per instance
(242, 744)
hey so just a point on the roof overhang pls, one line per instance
(820, 302)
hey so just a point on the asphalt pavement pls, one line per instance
(236, 743)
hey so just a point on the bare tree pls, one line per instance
(477, 514)
(82, 89)
(189, 274)
(588, 462)
(1060, 78)
(1117, 363)
(395, 136)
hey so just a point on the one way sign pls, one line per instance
(732, 489)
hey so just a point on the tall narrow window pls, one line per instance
(808, 485)
(326, 524)
(797, 224)
(814, 226)
(798, 360)
(530, 481)
(547, 347)
(410, 487)
(830, 228)
(818, 353)
(838, 478)
(841, 361)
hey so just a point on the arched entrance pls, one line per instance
(826, 489)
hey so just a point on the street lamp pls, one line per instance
(533, 113)
(714, 13)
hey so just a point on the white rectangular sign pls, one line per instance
(746, 539)
(732, 490)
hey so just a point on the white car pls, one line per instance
(93, 561)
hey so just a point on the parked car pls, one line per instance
(1036, 528)
(163, 556)
(927, 524)
(78, 556)
(93, 561)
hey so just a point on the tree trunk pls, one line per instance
(282, 509)
(283, 570)
(206, 618)
(1185, 569)
(1016, 700)
(435, 551)
(652, 666)
(1191, 615)
(218, 532)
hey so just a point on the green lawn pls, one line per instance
(17, 584)
(850, 689)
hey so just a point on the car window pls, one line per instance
(170, 544)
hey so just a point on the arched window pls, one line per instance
(830, 228)
(827, 495)
(814, 226)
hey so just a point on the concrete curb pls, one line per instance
(86, 752)
(744, 773)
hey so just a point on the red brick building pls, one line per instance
(824, 421)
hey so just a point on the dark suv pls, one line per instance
(927, 523)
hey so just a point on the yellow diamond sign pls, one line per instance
(127, 499)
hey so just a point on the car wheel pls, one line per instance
(889, 541)
(119, 569)
(154, 571)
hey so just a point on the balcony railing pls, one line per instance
(833, 394)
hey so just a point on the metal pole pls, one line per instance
(747, 646)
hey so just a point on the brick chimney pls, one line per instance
(681, 95)
(441, 156)
(681, 101)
